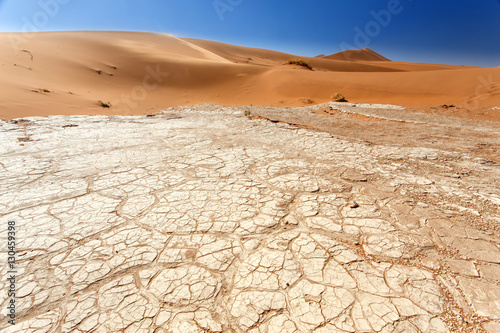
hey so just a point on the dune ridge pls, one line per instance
(365, 54)
(140, 73)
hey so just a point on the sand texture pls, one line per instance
(70, 72)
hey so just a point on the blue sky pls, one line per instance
(462, 32)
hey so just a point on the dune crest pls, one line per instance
(365, 54)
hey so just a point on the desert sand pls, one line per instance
(69, 72)
(280, 211)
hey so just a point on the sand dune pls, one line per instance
(365, 54)
(138, 73)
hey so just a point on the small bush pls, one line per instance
(104, 105)
(41, 90)
(298, 62)
(339, 98)
(307, 100)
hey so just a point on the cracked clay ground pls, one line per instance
(208, 221)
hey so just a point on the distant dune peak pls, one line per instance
(365, 54)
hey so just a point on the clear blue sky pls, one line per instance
(463, 32)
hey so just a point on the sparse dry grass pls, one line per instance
(298, 62)
(307, 101)
(45, 91)
(338, 98)
(103, 104)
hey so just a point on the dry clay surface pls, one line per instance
(208, 221)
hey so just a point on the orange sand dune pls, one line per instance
(365, 54)
(411, 67)
(139, 73)
(253, 56)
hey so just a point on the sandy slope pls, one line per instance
(144, 72)
(365, 54)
